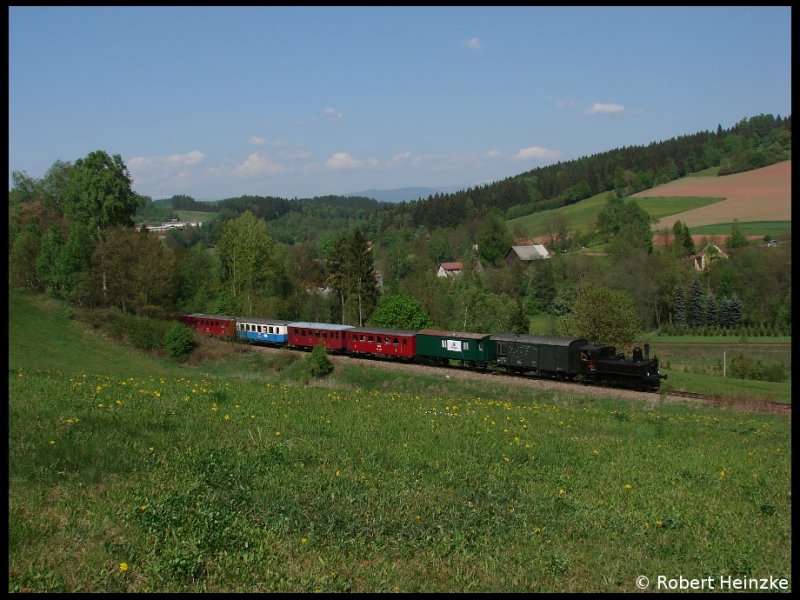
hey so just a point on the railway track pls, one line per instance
(735, 403)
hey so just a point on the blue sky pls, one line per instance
(216, 102)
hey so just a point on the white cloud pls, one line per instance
(604, 109)
(333, 114)
(195, 157)
(398, 160)
(343, 160)
(537, 153)
(473, 43)
(564, 104)
(257, 164)
(256, 141)
(494, 153)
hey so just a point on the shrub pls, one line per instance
(318, 363)
(179, 341)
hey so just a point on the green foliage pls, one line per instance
(744, 367)
(602, 316)
(99, 192)
(400, 312)
(737, 239)
(318, 363)
(179, 341)
(246, 252)
(352, 269)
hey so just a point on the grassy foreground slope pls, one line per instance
(126, 478)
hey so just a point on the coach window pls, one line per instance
(466, 345)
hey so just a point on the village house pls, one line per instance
(706, 256)
(520, 254)
(451, 269)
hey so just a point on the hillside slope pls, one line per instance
(760, 195)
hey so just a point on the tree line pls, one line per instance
(359, 262)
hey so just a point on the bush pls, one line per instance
(318, 363)
(179, 341)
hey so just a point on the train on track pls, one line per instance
(567, 359)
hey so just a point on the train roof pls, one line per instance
(382, 331)
(546, 340)
(205, 316)
(454, 334)
(262, 321)
(326, 326)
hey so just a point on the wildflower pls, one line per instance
(227, 417)
(628, 487)
(418, 517)
(338, 473)
(595, 453)
(151, 449)
(562, 492)
(659, 522)
(52, 442)
(722, 474)
(303, 540)
(277, 434)
(123, 567)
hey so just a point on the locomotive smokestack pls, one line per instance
(647, 351)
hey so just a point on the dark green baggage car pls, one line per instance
(542, 355)
(439, 347)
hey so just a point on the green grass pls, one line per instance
(368, 481)
(581, 215)
(195, 215)
(771, 228)
(660, 207)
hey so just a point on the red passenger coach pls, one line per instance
(376, 341)
(218, 325)
(307, 335)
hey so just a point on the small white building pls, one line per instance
(526, 253)
(449, 269)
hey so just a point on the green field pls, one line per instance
(773, 229)
(128, 473)
(195, 215)
(581, 215)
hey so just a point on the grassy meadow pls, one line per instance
(581, 215)
(130, 473)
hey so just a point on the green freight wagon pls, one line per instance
(439, 347)
(541, 355)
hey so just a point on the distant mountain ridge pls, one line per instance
(406, 194)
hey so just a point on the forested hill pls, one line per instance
(752, 143)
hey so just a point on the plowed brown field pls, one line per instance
(760, 195)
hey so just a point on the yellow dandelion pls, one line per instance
(277, 434)
(227, 417)
(303, 540)
(338, 473)
(52, 442)
(151, 449)
(595, 453)
(562, 492)
(659, 522)
(722, 474)
(418, 517)
(628, 487)
(123, 567)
